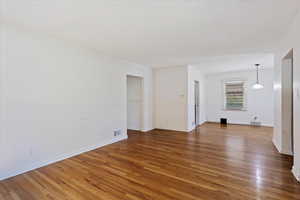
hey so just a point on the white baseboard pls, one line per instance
(296, 173)
(286, 152)
(175, 130)
(278, 147)
(39, 164)
(147, 130)
(194, 126)
(242, 123)
(202, 122)
(281, 150)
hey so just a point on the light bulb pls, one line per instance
(257, 86)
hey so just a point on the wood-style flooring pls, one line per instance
(213, 162)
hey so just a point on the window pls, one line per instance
(234, 95)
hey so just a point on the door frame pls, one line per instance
(196, 102)
(287, 102)
(142, 104)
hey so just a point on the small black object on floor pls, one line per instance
(223, 122)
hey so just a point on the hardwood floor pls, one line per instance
(237, 162)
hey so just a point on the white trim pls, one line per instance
(143, 105)
(296, 173)
(147, 130)
(280, 150)
(194, 126)
(278, 147)
(286, 152)
(176, 130)
(241, 123)
(38, 164)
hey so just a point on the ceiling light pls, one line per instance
(257, 85)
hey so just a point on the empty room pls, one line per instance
(150, 100)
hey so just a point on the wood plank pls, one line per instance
(211, 163)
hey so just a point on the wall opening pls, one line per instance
(134, 103)
(197, 103)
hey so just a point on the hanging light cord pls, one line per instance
(257, 73)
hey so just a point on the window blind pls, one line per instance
(234, 96)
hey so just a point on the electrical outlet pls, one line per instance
(117, 132)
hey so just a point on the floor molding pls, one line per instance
(281, 150)
(296, 173)
(277, 146)
(241, 124)
(147, 130)
(290, 153)
(58, 158)
(194, 127)
(177, 131)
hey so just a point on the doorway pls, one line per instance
(134, 103)
(197, 103)
(287, 97)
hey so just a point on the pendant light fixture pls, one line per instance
(257, 85)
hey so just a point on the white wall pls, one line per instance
(134, 103)
(195, 75)
(58, 100)
(174, 97)
(170, 92)
(290, 41)
(259, 102)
